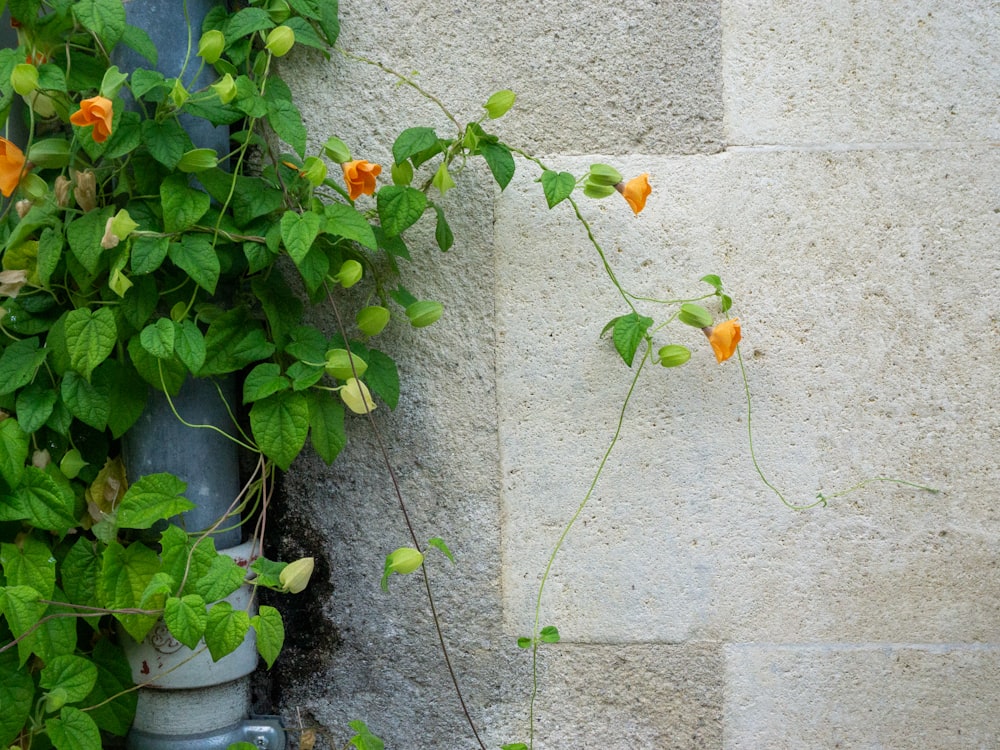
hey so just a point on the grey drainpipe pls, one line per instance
(202, 705)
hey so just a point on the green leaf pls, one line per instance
(79, 571)
(364, 739)
(314, 268)
(326, 425)
(347, 222)
(412, 141)
(73, 730)
(48, 504)
(90, 338)
(55, 634)
(106, 18)
(158, 338)
(298, 232)
(442, 232)
(500, 162)
(74, 674)
(382, 377)
(125, 575)
(152, 498)
(166, 141)
(225, 630)
(186, 617)
(34, 406)
(628, 332)
(262, 381)
(439, 543)
(18, 364)
(195, 255)
(281, 306)
(112, 698)
(84, 235)
(270, 633)
(557, 186)
(189, 344)
(29, 563)
(129, 394)
(221, 579)
(182, 555)
(399, 207)
(16, 693)
(280, 424)
(233, 341)
(13, 451)
(284, 117)
(549, 634)
(90, 403)
(524, 642)
(50, 248)
(182, 204)
(247, 21)
(138, 40)
(148, 253)
(714, 281)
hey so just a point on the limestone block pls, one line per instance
(589, 76)
(856, 71)
(637, 696)
(846, 695)
(865, 282)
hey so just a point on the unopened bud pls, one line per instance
(404, 560)
(499, 104)
(280, 40)
(314, 170)
(424, 313)
(279, 11)
(402, 174)
(338, 364)
(356, 396)
(674, 355)
(49, 153)
(604, 174)
(372, 320)
(694, 315)
(198, 160)
(179, 94)
(295, 576)
(225, 88)
(22, 207)
(336, 150)
(24, 78)
(211, 45)
(595, 190)
(350, 273)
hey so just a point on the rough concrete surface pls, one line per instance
(836, 163)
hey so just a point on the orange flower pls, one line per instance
(724, 337)
(636, 191)
(360, 177)
(11, 167)
(96, 111)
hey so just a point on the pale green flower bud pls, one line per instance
(356, 396)
(694, 315)
(198, 160)
(595, 190)
(314, 170)
(279, 11)
(336, 150)
(225, 88)
(500, 103)
(424, 313)
(604, 174)
(280, 40)
(350, 273)
(338, 364)
(404, 560)
(674, 355)
(24, 78)
(211, 46)
(179, 94)
(372, 320)
(49, 153)
(295, 576)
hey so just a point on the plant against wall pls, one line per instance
(132, 258)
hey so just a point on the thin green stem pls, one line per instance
(562, 538)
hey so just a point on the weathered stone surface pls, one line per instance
(856, 695)
(867, 309)
(589, 76)
(817, 72)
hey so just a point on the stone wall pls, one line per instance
(836, 164)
